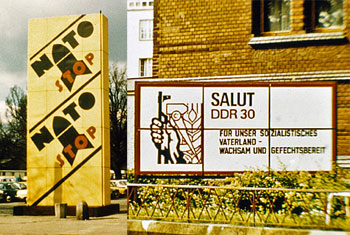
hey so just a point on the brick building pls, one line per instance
(256, 40)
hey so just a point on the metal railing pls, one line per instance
(242, 206)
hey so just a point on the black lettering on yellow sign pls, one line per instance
(41, 138)
(64, 59)
(54, 110)
(42, 65)
(65, 132)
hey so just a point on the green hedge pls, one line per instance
(334, 180)
(303, 208)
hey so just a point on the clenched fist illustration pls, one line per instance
(167, 140)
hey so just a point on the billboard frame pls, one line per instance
(203, 173)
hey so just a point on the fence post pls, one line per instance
(188, 204)
(329, 207)
(347, 208)
(127, 200)
(254, 207)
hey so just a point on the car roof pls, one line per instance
(7, 183)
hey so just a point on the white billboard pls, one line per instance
(223, 128)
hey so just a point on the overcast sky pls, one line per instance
(14, 15)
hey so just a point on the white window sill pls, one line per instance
(296, 39)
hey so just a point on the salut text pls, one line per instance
(226, 100)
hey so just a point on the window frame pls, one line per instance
(307, 27)
(149, 30)
(148, 65)
(299, 35)
(310, 22)
(262, 12)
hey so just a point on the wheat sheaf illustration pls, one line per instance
(187, 120)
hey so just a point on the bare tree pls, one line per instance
(118, 116)
(13, 133)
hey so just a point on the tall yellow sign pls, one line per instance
(68, 157)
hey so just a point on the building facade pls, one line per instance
(140, 38)
(139, 53)
(258, 40)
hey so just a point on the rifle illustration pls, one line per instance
(164, 120)
(174, 132)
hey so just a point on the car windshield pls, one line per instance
(9, 187)
(13, 186)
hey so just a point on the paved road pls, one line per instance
(7, 208)
(30, 225)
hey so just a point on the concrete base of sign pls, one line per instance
(71, 210)
(82, 211)
(61, 210)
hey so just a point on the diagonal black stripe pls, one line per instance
(65, 101)
(53, 188)
(58, 35)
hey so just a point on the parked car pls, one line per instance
(7, 179)
(118, 188)
(22, 191)
(10, 191)
(2, 195)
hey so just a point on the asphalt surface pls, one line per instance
(20, 225)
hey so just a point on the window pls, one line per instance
(273, 20)
(323, 15)
(276, 15)
(146, 29)
(271, 16)
(145, 68)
